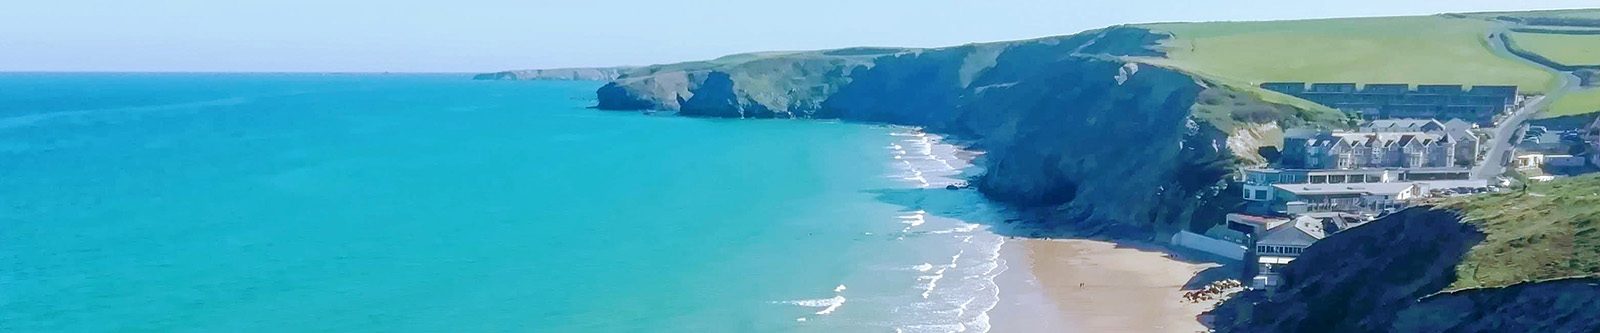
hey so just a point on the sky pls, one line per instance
(492, 35)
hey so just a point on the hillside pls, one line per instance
(1175, 103)
(1565, 40)
(1508, 262)
(1077, 123)
(1432, 50)
(1550, 231)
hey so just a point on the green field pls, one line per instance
(1417, 50)
(1580, 102)
(1571, 50)
(1557, 14)
(1550, 231)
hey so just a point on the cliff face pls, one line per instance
(1386, 277)
(573, 74)
(1076, 123)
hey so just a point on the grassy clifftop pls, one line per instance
(1550, 231)
(1438, 49)
(1418, 50)
(1508, 262)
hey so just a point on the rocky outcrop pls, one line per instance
(1387, 276)
(561, 74)
(1563, 305)
(1080, 124)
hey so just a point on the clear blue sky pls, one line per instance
(487, 35)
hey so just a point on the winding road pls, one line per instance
(1508, 132)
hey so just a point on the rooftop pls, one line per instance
(1309, 228)
(1350, 188)
(1448, 184)
(1402, 125)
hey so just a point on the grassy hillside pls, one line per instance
(1550, 231)
(1566, 49)
(1419, 50)
(1580, 102)
(1579, 15)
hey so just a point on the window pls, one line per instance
(1261, 194)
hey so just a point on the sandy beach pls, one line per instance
(1063, 283)
(1077, 285)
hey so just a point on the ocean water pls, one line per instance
(434, 203)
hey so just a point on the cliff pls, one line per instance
(1079, 124)
(574, 74)
(1507, 262)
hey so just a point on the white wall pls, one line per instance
(1210, 245)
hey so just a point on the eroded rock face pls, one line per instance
(1069, 122)
(1567, 305)
(1386, 276)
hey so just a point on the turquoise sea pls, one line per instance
(434, 203)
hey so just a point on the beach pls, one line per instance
(1079, 285)
(1061, 282)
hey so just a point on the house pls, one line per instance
(1459, 126)
(1258, 182)
(1541, 160)
(1546, 142)
(1349, 197)
(1452, 185)
(1563, 161)
(1284, 241)
(1528, 161)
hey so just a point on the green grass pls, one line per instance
(1558, 14)
(1550, 231)
(1571, 50)
(1227, 107)
(1576, 103)
(1417, 50)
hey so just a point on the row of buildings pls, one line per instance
(1375, 169)
(1327, 181)
(1477, 104)
(1392, 143)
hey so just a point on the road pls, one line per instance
(1504, 137)
(1508, 132)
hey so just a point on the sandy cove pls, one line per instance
(1083, 285)
(1062, 282)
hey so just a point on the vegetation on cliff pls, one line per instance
(1187, 90)
(1550, 230)
(1439, 49)
(1514, 261)
(1081, 123)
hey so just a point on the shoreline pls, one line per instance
(1063, 282)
